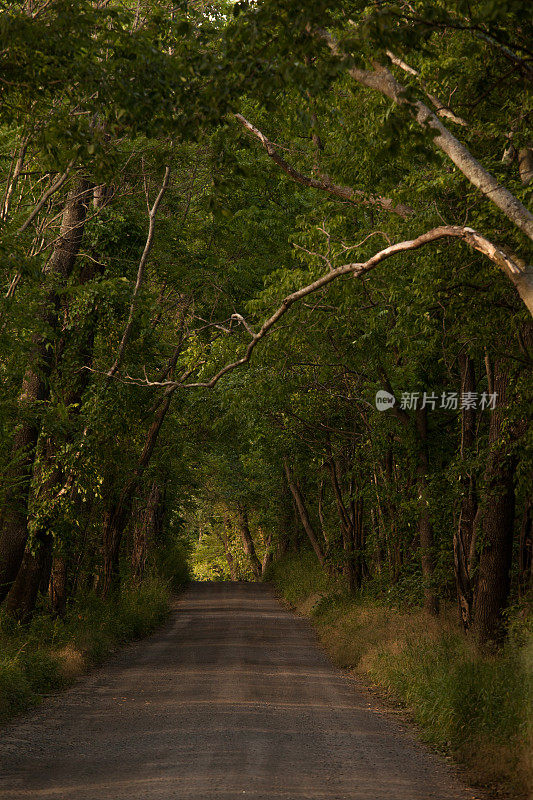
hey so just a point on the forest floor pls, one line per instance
(232, 698)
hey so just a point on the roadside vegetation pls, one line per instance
(53, 651)
(266, 286)
(477, 708)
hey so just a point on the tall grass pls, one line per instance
(299, 577)
(477, 708)
(51, 652)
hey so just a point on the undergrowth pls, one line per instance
(476, 708)
(51, 652)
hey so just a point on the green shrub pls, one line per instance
(51, 652)
(299, 576)
(41, 671)
(15, 691)
(174, 567)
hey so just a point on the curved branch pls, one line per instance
(140, 274)
(517, 271)
(381, 80)
(356, 196)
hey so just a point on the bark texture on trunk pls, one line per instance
(302, 511)
(525, 554)
(33, 572)
(35, 390)
(247, 541)
(147, 529)
(496, 521)
(59, 584)
(525, 165)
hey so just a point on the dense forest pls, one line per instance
(266, 291)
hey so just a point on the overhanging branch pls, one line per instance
(381, 80)
(518, 272)
(346, 193)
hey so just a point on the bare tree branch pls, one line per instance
(520, 274)
(14, 176)
(240, 318)
(345, 193)
(381, 80)
(57, 184)
(152, 212)
(441, 109)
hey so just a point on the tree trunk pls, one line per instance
(49, 490)
(35, 569)
(289, 532)
(389, 516)
(35, 390)
(116, 517)
(59, 584)
(496, 521)
(267, 558)
(146, 531)
(347, 530)
(360, 541)
(425, 529)
(247, 541)
(464, 534)
(525, 554)
(302, 510)
(14, 522)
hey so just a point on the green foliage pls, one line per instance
(300, 576)
(50, 653)
(453, 693)
(116, 94)
(476, 707)
(214, 542)
(173, 565)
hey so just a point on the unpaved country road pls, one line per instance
(233, 699)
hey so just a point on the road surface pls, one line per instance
(232, 699)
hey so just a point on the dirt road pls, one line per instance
(233, 699)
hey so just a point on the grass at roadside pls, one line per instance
(477, 708)
(50, 653)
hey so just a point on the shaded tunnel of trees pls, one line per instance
(225, 228)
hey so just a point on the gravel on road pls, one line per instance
(233, 698)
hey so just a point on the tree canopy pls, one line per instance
(226, 228)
